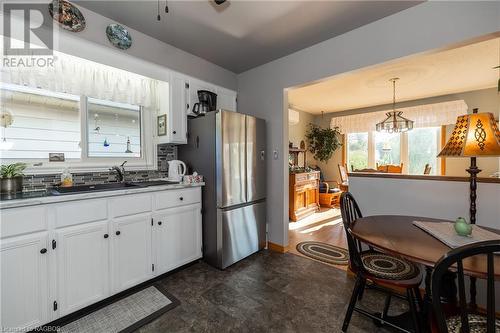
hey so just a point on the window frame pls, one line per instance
(404, 149)
(86, 163)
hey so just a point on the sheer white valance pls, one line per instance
(429, 115)
(79, 76)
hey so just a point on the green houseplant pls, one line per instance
(11, 177)
(323, 142)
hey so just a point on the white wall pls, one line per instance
(421, 28)
(297, 132)
(427, 198)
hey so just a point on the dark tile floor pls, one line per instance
(267, 292)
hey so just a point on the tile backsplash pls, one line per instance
(41, 182)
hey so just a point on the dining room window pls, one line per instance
(357, 150)
(387, 148)
(414, 149)
(423, 147)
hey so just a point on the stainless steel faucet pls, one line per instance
(120, 171)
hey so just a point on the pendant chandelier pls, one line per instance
(395, 122)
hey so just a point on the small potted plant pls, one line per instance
(11, 180)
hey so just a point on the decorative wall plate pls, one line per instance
(67, 14)
(119, 36)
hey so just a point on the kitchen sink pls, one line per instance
(147, 183)
(92, 188)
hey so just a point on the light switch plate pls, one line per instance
(275, 154)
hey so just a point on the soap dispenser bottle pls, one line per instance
(66, 178)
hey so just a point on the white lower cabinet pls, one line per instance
(131, 251)
(176, 237)
(65, 256)
(82, 265)
(24, 282)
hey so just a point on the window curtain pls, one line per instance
(79, 76)
(429, 115)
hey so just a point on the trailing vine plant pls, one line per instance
(322, 142)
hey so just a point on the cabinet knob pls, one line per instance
(43, 251)
(106, 235)
(181, 198)
(175, 132)
(159, 222)
(118, 233)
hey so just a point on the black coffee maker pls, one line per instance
(208, 102)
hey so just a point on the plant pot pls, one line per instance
(11, 185)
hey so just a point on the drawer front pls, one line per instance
(80, 212)
(174, 198)
(130, 204)
(18, 221)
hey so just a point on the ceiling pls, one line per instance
(452, 71)
(240, 35)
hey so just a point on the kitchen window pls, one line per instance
(89, 132)
(94, 114)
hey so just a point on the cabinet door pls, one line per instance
(177, 119)
(82, 265)
(24, 282)
(177, 237)
(131, 251)
(226, 99)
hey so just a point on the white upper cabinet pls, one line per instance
(177, 117)
(82, 265)
(177, 102)
(24, 282)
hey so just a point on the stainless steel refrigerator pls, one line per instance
(228, 149)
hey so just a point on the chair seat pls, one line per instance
(331, 190)
(387, 267)
(477, 324)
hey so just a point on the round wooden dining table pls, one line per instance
(396, 235)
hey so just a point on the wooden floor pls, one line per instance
(324, 226)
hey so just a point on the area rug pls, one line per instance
(126, 314)
(324, 252)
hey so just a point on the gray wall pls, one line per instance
(145, 51)
(424, 27)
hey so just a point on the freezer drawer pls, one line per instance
(243, 232)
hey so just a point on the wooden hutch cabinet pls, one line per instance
(303, 194)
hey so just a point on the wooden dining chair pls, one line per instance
(467, 321)
(427, 169)
(344, 178)
(390, 168)
(386, 273)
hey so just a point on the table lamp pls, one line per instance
(474, 135)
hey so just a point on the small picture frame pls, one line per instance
(162, 125)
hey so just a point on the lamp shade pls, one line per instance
(474, 135)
